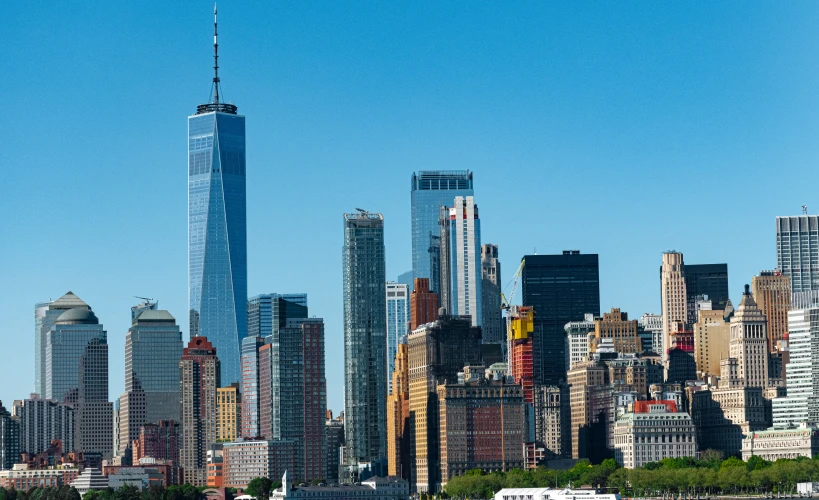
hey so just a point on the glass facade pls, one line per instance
(561, 288)
(69, 342)
(268, 312)
(709, 280)
(217, 235)
(40, 311)
(430, 190)
(465, 297)
(365, 337)
(153, 347)
(797, 251)
(397, 318)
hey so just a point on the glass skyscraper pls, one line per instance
(797, 250)
(365, 337)
(397, 318)
(45, 314)
(430, 190)
(217, 232)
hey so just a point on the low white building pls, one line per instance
(654, 430)
(773, 444)
(552, 494)
(375, 488)
(90, 479)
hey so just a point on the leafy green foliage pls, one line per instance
(259, 488)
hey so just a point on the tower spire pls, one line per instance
(215, 58)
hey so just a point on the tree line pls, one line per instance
(709, 475)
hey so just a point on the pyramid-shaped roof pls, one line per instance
(68, 301)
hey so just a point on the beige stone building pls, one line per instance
(673, 294)
(773, 444)
(749, 342)
(585, 380)
(615, 325)
(772, 293)
(652, 431)
(229, 411)
(711, 339)
(398, 416)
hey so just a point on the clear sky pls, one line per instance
(618, 128)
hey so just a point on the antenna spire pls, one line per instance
(215, 59)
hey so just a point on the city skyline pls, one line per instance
(46, 268)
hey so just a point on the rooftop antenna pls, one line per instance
(215, 59)
(804, 210)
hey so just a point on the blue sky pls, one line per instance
(618, 128)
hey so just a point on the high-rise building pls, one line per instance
(587, 381)
(578, 340)
(41, 422)
(561, 288)
(749, 342)
(229, 412)
(674, 297)
(652, 327)
(200, 377)
(398, 453)
(492, 325)
(217, 227)
(423, 304)
(293, 394)
(397, 317)
(334, 433)
(712, 333)
(160, 441)
(250, 386)
(431, 190)
(436, 353)
(268, 312)
(153, 346)
(797, 250)
(365, 337)
(45, 314)
(464, 258)
(481, 427)
(9, 439)
(705, 280)
(616, 326)
(802, 401)
(772, 293)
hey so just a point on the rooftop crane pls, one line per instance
(507, 304)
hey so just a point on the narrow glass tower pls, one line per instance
(217, 227)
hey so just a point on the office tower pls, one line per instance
(616, 326)
(552, 420)
(229, 412)
(772, 293)
(398, 452)
(436, 352)
(365, 342)
(9, 439)
(435, 261)
(94, 417)
(749, 342)
(802, 401)
(712, 333)
(588, 383)
(652, 326)
(493, 412)
(153, 346)
(406, 279)
(200, 377)
(578, 340)
(41, 422)
(334, 434)
(443, 277)
(293, 394)
(681, 366)
(250, 385)
(463, 251)
(423, 304)
(268, 312)
(492, 326)
(674, 296)
(705, 280)
(561, 288)
(160, 441)
(797, 250)
(217, 227)
(431, 190)
(397, 318)
(45, 315)
(73, 331)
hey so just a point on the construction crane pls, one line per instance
(507, 304)
(146, 299)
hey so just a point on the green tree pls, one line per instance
(259, 488)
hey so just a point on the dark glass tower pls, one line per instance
(430, 190)
(561, 288)
(365, 337)
(217, 228)
(705, 279)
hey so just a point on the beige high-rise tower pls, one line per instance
(673, 292)
(711, 338)
(749, 342)
(772, 293)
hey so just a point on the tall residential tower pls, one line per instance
(217, 227)
(797, 250)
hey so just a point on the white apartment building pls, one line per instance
(397, 318)
(653, 324)
(578, 334)
(465, 254)
(653, 432)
